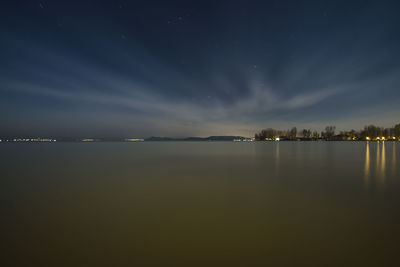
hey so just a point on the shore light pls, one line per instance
(367, 138)
(277, 139)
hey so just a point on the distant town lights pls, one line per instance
(277, 139)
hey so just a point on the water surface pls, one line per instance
(200, 204)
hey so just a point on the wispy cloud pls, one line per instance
(148, 105)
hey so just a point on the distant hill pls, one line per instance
(210, 138)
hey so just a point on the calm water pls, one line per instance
(200, 204)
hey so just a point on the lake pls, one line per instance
(200, 204)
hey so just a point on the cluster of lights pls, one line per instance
(244, 140)
(272, 139)
(33, 140)
(382, 138)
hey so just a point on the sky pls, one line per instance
(144, 68)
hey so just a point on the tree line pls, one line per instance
(370, 132)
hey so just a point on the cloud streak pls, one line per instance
(144, 103)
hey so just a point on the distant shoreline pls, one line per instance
(182, 140)
(369, 133)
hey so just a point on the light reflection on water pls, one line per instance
(394, 163)
(378, 158)
(381, 161)
(367, 165)
(277, 157)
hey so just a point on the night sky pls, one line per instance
(196, 68)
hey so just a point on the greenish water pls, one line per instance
(200, 204)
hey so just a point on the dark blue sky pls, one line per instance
(198, 68)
